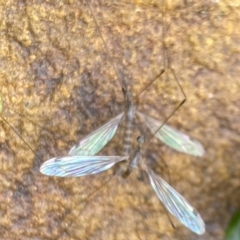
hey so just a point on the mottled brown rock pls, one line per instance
(58, 85)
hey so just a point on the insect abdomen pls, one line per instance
(127, 138)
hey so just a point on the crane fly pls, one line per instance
(77, 166)
(82, 159)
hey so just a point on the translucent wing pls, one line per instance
(176, 204)
(172, 137)
(95, 141)
(76, 166)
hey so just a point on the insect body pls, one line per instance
(129, 113)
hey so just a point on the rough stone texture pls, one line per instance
(58, 85)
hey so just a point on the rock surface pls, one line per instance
(58, 85)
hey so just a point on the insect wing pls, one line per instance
(176, 204)
(95, 141)
(172, 137)
(76, 166)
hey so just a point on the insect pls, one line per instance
(77, 166)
